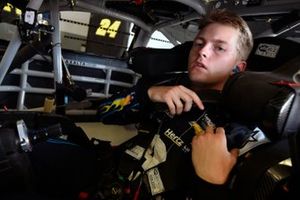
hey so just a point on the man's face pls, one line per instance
(213, 55)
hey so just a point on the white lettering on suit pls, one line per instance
(172, 136)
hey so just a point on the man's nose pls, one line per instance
(204, 51)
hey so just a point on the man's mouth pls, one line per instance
(199, 65)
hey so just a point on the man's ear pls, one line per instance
(242, 66)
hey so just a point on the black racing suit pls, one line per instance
(134, 106)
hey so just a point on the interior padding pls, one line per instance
(153, 62)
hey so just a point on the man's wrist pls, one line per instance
(214, 179)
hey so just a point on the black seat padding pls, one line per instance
(153, 62)
(269, 53)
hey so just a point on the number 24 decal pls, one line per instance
(106, 27)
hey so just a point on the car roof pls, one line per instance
(265, 17)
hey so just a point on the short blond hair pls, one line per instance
(223, 16)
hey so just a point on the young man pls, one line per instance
(220, 49)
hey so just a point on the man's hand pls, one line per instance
(178, 98)
(211, 159)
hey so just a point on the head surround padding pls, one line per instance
(257, 98)
(269, 53)
(151, 62)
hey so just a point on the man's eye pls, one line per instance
(219, 48)
(198, 44)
